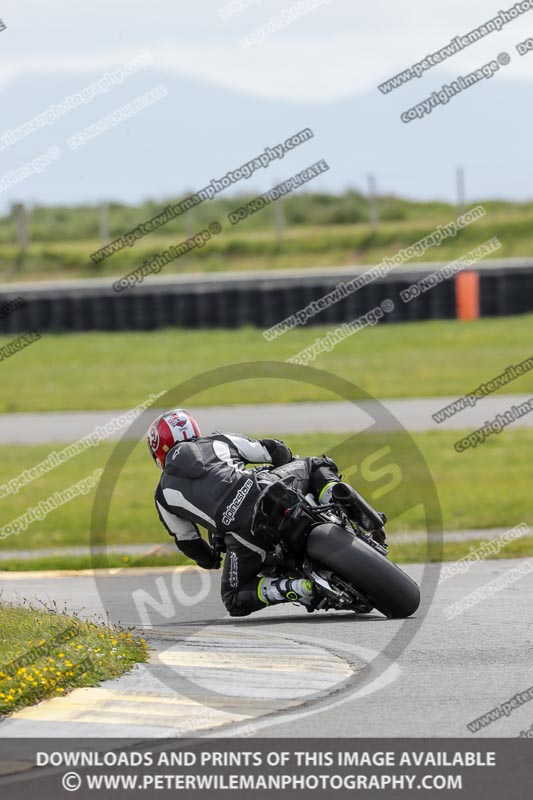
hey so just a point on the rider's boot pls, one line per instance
(286, 590)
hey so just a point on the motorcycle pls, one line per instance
(345, 558)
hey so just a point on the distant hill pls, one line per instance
(199, 132)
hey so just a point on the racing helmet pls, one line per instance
(167, 430)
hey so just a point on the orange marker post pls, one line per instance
(467, 295)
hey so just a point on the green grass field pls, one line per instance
(46, 653)
(62, 250)
(482, 488)
(301, 211)
(120, 370)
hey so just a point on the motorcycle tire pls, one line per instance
(385, 585)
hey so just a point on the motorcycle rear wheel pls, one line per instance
(385, 585)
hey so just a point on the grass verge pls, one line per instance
(488, 487)
(399, 552)
(423, 552)
(248, 248)
(120, 370)
(46, 654)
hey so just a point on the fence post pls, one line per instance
(104, 223)
(279, 216)
(373, 203)
(21, 223)
(461, 192)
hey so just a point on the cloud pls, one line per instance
(334, 51)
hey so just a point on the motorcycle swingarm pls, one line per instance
(345, 598)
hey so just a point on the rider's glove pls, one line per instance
(210, 560)
(200, 551)
(278, 451)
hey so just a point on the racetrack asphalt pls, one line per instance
(413, 414)
(283, 672)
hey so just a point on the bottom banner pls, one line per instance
(246, 768)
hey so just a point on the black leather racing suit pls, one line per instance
(206, 482)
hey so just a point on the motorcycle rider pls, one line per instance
(206, 481)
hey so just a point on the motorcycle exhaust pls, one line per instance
(346, 495)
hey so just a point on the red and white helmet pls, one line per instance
(169, 429)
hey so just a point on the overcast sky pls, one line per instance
(339, 48)
(322, 71)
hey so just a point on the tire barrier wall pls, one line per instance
(260, 301)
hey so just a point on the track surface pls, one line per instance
(413, 414)
(287, 673)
